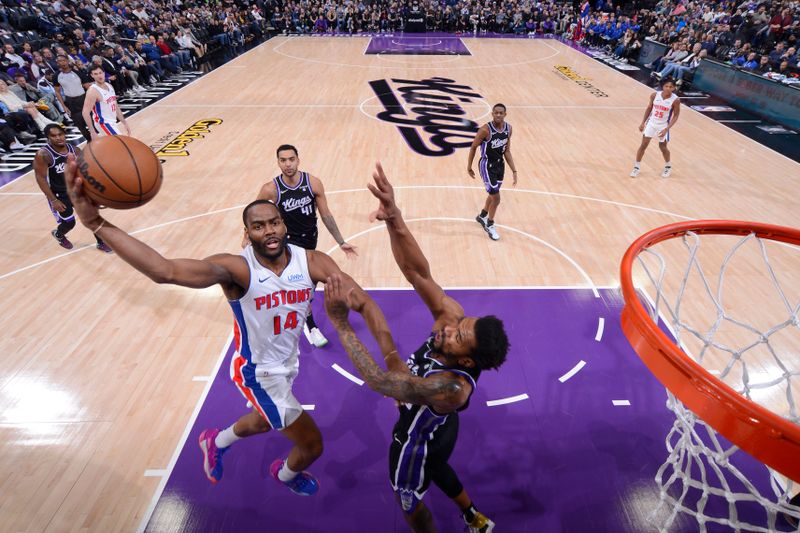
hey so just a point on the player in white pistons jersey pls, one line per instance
(100, 109)
(659, 117)
(268, 288)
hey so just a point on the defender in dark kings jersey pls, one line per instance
(48, 166)
(495, 141)
(299, 196)
(434, 384)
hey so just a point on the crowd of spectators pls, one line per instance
(49, 47)
(727, 31)
(139, 42)
(758, 37)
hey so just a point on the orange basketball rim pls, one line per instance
(763, 434)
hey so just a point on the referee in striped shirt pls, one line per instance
(74, 86)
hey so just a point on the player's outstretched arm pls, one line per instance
(186, 272)
(444, 391)
(323, 268)
(327, 218)
(407, 253)
(482, 135)
(647, 112)
(676, 112)
(510, 158)
(91, 98)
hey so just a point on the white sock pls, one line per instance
(226, 437)
(667, 165)
(285, 473)
(636, 164)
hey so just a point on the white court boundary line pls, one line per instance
(399, 187)
(601, 323)
(451, 58)
(293, 38)
(136, 232)
(347, 374)
(182, 441)
(575, 369)
(504, 401)
(423, 45)
(503, 226)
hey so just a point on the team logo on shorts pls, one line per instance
(406, 499)
(428, 113)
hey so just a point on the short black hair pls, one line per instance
(95, 68)
(255, 203)
(283, 147)
(53, 127)
(667, 80)
(492, 343)
(500, 105)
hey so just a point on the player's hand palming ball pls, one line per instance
(120, 172)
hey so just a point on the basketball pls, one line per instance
(120, 172)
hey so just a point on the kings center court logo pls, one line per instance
(428, 113)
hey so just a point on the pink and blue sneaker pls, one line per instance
(212, 456)
(303, 483)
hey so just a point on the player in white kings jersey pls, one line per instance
(661, 114)
(268, 287)
(100, 109)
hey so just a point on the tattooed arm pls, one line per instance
(323, 268)
(444, 391)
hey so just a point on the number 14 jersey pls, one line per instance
(270, 316)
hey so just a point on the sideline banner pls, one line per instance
(769, 99)
(651, 50)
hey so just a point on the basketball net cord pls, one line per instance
(694, 447)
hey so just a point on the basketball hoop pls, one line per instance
(753, 408)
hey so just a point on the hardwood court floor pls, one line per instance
(97, 373)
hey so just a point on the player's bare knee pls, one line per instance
(262, 426)
(421, 520)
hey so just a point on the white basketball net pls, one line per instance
(758, 356)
